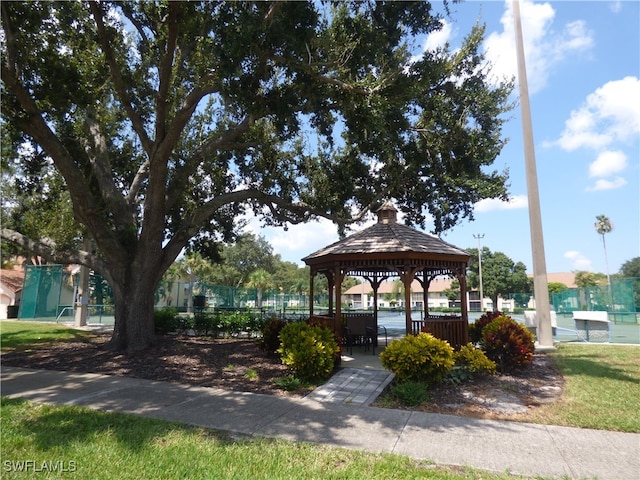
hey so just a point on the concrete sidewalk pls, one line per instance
(519, 448)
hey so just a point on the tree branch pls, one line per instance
(96, 149)
(48, 251)
(206, 148)
(165, 68)
(103, 37)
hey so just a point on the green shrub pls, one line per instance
(203, 323)
(289, 383)
(508, 343)
(166, 320)
(231, 323)
(255, 324)
(475, 329)
(420, 358)
(310, 351)
(470, 362)
(410, 393)
(474, 360)
(271, 334)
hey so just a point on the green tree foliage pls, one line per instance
(242, 257)
(168, 120)
(589, 279)
(500, 275)
(631, 269)
(557, 287)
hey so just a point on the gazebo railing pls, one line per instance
(327, 321)
(452, 328)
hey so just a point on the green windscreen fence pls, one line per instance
(49, 292)
(622, 297)
(45, 289)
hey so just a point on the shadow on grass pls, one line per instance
(591, 364)
(53, 427)
(19, 339)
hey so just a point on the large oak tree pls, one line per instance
(168, 120)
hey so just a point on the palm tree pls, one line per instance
(260, 279)
(194, 266)
(603, 225)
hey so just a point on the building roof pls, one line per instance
(440, 284)
(437, 285)
(388, 237)
(12, 279)
(567, 278)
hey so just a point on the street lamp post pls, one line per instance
(479, 237)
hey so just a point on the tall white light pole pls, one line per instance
(540, 285)
(479, 237)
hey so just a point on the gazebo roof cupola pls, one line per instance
(387, 213)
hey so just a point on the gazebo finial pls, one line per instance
(387, 213)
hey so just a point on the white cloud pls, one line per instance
(297, 241)
(608, 115)
(578, 260)
(604, 184)
(544, 45)
(608, 163)
(490, 204)
(436, 40)
(440, 38)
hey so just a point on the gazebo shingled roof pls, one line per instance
(388, 249)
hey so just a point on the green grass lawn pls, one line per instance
(98, 445)
(602, 391)
(602, 388)
(25, 334)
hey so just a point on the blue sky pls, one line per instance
(583, 69)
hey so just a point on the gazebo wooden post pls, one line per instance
(464, 311)
(425, 296)
(375, 284)
(407, 276)
(425, 281)
(312, 278)
(337, 281)
(329, 276)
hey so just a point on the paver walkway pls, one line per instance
(520, 448)
(356, 386)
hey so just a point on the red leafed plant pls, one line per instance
(508, 343)
(475, 329)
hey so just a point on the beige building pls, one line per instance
(10, 290)
(360, 297)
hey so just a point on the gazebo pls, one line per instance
(389, 249)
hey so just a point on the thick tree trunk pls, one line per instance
(134, 328)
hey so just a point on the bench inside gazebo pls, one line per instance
(389, 249)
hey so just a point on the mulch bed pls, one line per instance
(240, 364)
(227, 363)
